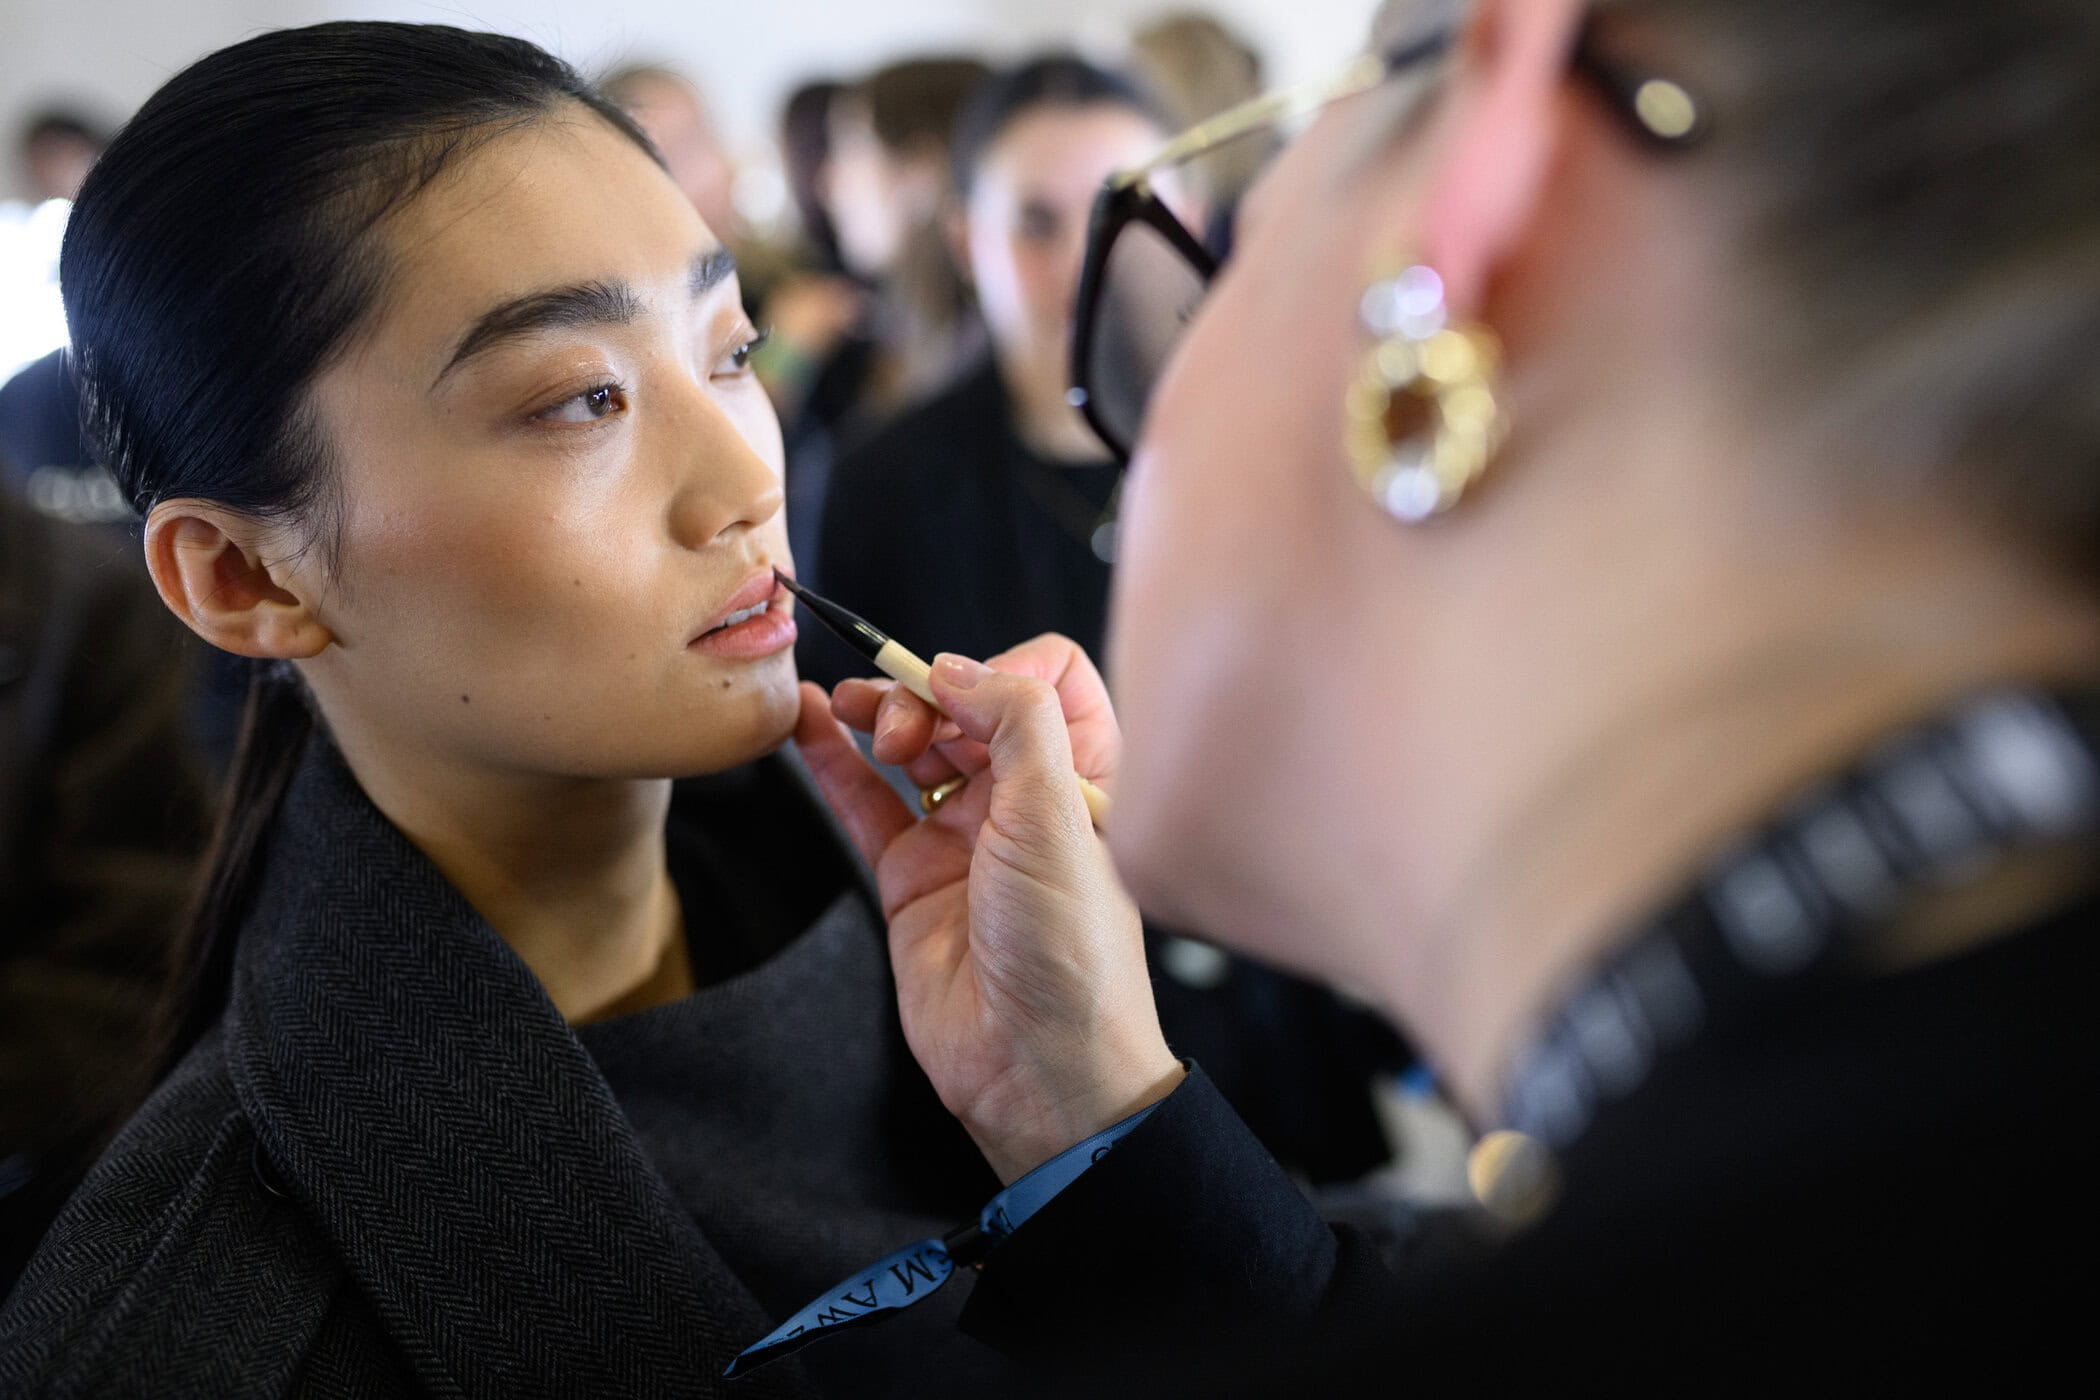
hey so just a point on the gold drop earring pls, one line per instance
(1422, 420)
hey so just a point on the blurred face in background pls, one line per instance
(876, 196)
(1026, 224)
(675, 118)
(56, 162)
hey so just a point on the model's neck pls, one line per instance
(570, 872)
(1610, 835)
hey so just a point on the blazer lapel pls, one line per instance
(432, 1112)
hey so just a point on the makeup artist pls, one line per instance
(1609, 573)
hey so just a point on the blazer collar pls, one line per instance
(435, 1117)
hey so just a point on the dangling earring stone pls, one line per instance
(1422, 420)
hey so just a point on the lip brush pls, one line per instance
(901, 665)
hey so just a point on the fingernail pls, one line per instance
(889, 727)
(959, 672)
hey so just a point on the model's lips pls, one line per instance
(758, 594)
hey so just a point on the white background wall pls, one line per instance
(110, 54)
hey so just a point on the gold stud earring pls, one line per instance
(1422, 416)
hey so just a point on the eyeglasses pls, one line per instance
(1145, 274)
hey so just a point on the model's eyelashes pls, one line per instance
(589, 406)
(601, 400)
(739, 360)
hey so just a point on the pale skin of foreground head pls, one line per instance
(1447, 765)
(530, 538)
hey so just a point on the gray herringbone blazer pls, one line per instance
(391, 1169)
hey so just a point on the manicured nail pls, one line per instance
(959, 672)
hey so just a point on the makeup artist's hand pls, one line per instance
(1019, 960)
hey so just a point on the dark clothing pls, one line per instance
(103, 810)
(950, 534)
(808, 1036)
(46, 459)
(829, 420)
(40, 419)
(1841, 1175)
(394, 1169)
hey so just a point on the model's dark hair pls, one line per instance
(223, 252)
(1918, 184)
(1048, 80)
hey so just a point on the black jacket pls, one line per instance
(392, 1168)
(946, 531)
(1841, 1177)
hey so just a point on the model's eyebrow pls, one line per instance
(586, 304)
(710, 270)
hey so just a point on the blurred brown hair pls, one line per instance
(1199, 68)
(912, 105)
(1920, 186)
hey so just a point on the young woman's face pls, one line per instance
(556, 476)
(1029, 202)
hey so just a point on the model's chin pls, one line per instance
(756, 712)
(722, 726)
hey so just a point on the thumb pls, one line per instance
(1021, 722)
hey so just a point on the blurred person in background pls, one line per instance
(988, 515)
(46, 460)
(56, 150)
(675, 115)
(884, 182)
(670, 109)
(102, 818)
(809, 317)
(1200, 68)
(887, 189)
(805, 153)
(1612, 571)
(998, 474)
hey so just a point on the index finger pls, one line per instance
(1090, 717)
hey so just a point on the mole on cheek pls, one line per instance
(462, 699)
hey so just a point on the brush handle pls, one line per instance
(906, 669)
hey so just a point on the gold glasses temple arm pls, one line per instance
(1255, 113)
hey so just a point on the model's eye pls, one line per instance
(601, 401)
(738, 361)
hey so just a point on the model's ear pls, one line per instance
(213, 567)
(1505, 120)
